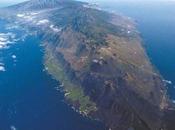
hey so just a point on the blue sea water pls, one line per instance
(28, 98)
(156, 23)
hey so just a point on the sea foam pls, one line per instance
(168, 82)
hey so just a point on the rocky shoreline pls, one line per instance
(102, 65)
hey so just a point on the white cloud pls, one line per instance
(43, 22)
(2, 68)
(6, 39)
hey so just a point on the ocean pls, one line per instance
(155, 22)
(29, 98)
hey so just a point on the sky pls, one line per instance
(17, 1)
(10, 1)
(7, 2)
(4, 3)
(127, 0)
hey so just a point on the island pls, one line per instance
(100, 62)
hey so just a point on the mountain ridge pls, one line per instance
(101, 62)
(40, 4)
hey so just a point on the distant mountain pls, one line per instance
(40, 4)
(101, 62)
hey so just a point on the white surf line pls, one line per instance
(168, 82)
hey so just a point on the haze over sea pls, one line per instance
(28, 94)
(155, 22)
(30, 99)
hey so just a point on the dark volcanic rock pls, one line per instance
(100, 59)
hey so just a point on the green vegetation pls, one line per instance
(92, 23)
(73, 93)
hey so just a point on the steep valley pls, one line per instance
(100, 60)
